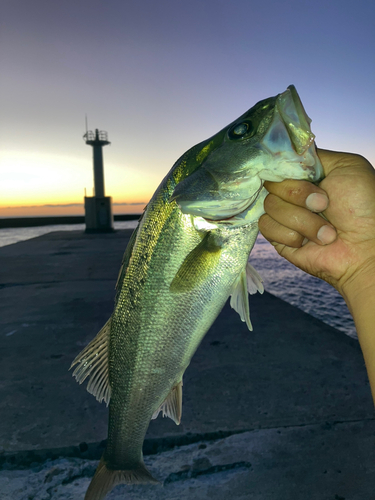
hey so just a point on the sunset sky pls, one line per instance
(161, 76)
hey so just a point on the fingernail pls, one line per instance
(326, 235)
(317, 202)
(304, 242)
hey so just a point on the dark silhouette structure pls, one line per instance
(98, 208)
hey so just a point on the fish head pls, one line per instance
(224, 175)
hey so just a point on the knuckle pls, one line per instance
(271, 202)
(292, 191)
(295, 239)
(265, 223)
(296, 191)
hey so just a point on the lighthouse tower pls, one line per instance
(98, 208)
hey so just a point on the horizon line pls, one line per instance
(69, 205)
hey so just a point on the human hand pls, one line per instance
(344, 256)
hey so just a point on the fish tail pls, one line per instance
(105, 479)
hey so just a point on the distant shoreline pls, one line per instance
(11, 222)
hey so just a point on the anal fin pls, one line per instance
(172, 405)
(93, 362)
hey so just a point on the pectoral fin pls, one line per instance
(198, 265)
(172, 406)
(93, 362)
(250, 282)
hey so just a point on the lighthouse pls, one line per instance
(98, 208)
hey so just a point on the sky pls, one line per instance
(160, 76)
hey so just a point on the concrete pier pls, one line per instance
(284, 412)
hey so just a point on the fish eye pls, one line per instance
(239, 130)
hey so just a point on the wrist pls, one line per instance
(358, 290)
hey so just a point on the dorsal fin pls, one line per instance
(93, 362)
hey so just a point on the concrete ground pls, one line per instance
(284, 412)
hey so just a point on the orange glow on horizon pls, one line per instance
(68, 209)
(45, 184)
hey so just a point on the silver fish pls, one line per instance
(188, 254)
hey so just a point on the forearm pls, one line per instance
(360, 298)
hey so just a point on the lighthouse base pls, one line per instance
(98, 214)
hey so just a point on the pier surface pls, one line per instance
(283, 412)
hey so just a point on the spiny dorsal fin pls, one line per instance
(248, 281)
(93, 362)
(172, 406)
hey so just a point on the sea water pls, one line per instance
(280, 278)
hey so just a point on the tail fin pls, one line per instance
(105, 480)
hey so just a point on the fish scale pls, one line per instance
(156, 261)
(188, 254)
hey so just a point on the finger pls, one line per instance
(298, 220)
(278, 234)
(300, 193)
(275, 232)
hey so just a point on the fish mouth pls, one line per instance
(295, 119)
(290, 139)
(315, 172)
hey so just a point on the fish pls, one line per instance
(187, 256)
